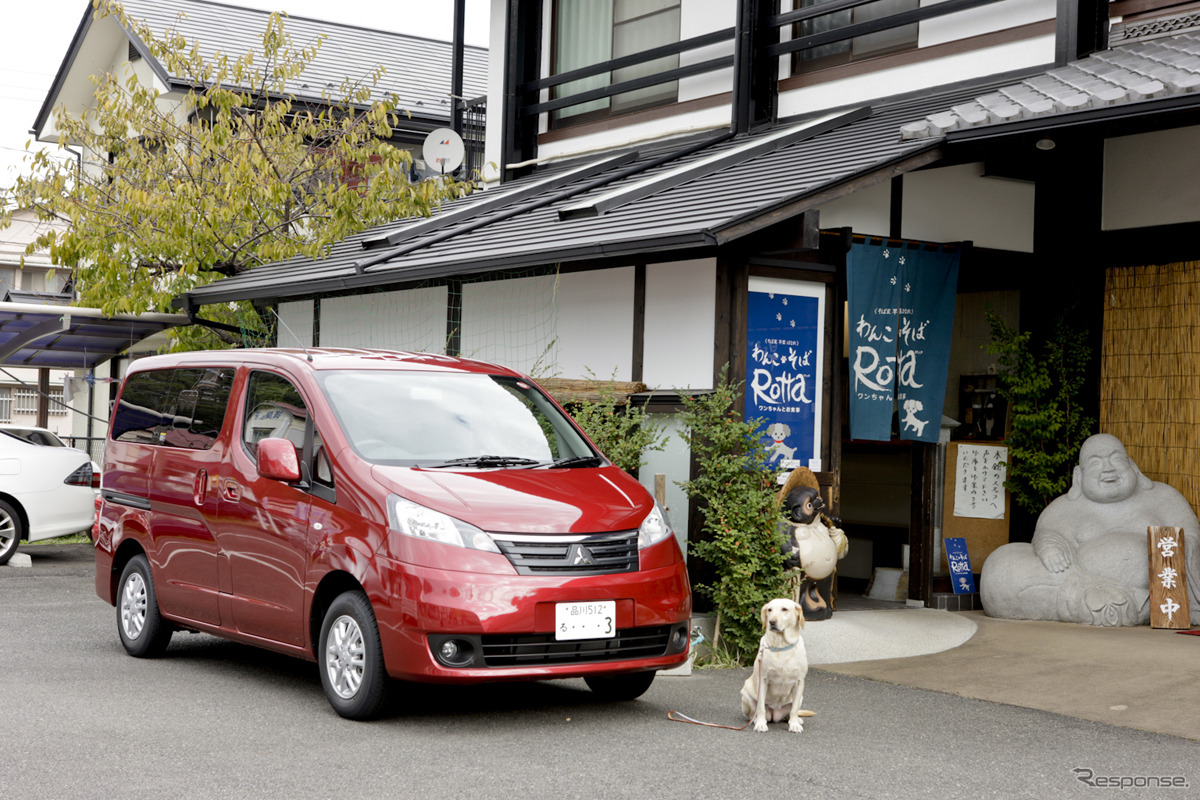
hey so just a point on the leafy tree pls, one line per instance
(741, 516)
(1042, 385)
(178, 193)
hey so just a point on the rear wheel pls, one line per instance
(143, 631)
(627, 686)
(351, 658)
(11, 531)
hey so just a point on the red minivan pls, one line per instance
(387, 515)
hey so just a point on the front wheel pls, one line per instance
(143, 631)
(351, 658)
(11, 531)
(627, 686)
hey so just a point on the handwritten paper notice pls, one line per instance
(979, 481)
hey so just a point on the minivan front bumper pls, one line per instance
(502, 626)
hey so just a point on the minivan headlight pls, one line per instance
(425, 523)
(655, 528)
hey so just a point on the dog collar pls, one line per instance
(781, 649)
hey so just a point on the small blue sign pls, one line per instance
(960, 566)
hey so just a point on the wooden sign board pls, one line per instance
(1168, 579)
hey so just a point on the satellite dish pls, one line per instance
(444, 151)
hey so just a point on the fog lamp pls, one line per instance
(679, 640)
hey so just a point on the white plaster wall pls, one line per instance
(413, 319)
(978, 21)
(961, 203)
(922, 75)
(595, 323)
(295, 324)
(681, 299)
(698, 17)
(866, 211)
(513, 322)
(1150, 179)
(674, 461)
(553, 326)
(495, 90)
(653, 130)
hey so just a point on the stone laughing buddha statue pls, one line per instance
(1088, 560)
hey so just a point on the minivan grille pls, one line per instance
(535, 649)
(604, 554)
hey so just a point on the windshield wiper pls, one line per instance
(486, 461)
(579, 461)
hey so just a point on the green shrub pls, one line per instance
(623, 432)
(737, 494)
(1042, 385)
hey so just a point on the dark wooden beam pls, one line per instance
(523, 49)
(1081, 28)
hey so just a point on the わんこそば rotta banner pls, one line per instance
(901, 319)
(784, 357)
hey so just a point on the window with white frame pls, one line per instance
(590, 32)
(5, 404)
(25, 401)
(57, 409)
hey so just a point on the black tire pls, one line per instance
(11, 531)
(350, 658)
(626, 686)
(143, 631)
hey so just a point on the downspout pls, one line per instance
(456, 69)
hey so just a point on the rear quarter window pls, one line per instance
(173, 407)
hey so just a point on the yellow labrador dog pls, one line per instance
(775, 689)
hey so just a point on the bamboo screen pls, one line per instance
(1150, 370)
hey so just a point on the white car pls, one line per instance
(33, 435)
(45, 492)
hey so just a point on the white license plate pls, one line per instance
(594, 620)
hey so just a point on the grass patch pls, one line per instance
(74, 538)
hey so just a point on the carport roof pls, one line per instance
(70, 337)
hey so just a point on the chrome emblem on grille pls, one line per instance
(579, 555)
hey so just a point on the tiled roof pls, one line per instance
(1133, 73)
(417, 70)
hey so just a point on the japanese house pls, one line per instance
(660, 167)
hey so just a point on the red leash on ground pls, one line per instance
(675, 716)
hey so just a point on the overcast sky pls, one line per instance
(35, 34)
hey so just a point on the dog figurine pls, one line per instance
(775, 689)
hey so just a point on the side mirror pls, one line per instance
(277, 460)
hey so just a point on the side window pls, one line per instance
(275, 408)
(173, 407)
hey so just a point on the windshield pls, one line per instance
(441, 420)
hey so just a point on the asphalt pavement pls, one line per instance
(213, 719)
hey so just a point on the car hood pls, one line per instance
(575, 500)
